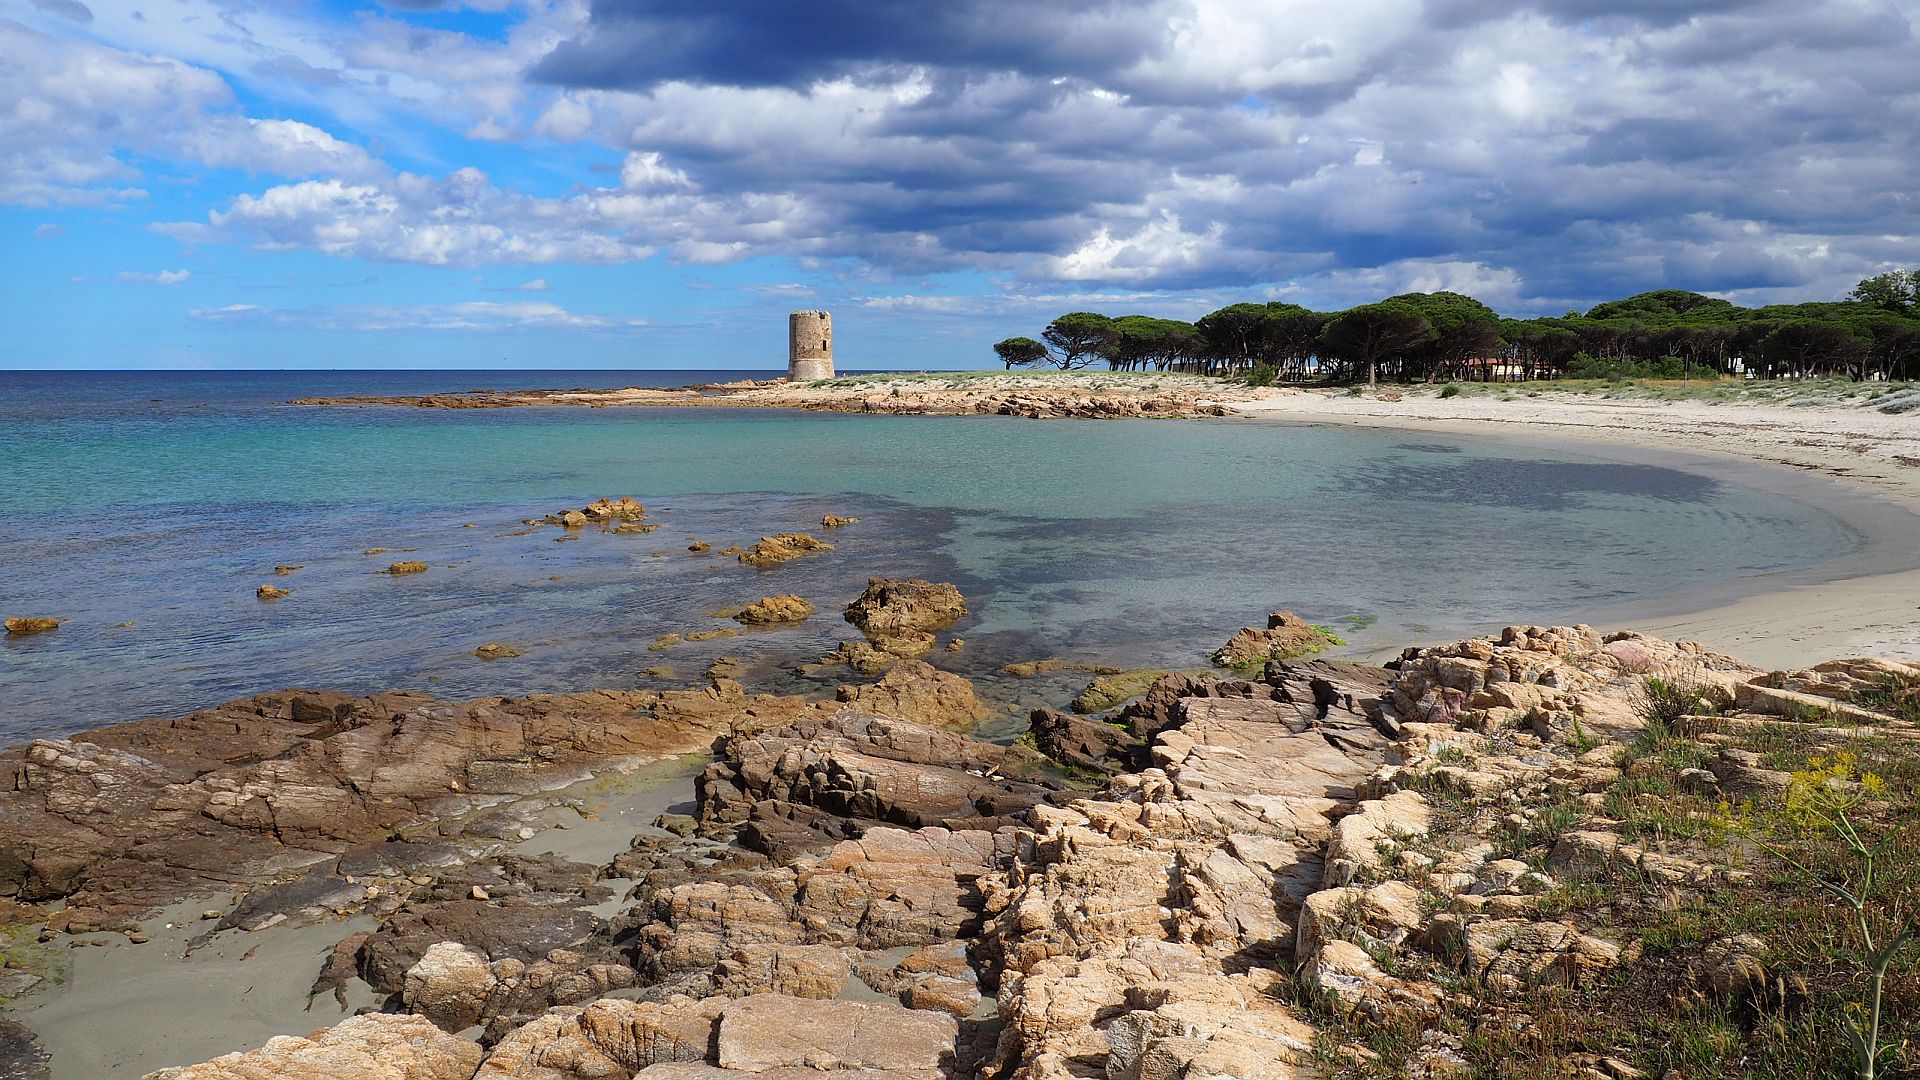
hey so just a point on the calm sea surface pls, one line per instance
(143, 509)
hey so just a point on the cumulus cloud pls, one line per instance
(1565, 149)
(473, 315)
(73, 114)
(1542, 155)
(164, 277)
(464, 219)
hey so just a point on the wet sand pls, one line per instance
(125, 1010)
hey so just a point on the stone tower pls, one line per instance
(809, 346)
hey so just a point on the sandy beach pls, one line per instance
(1856, 450)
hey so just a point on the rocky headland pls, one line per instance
(1537, 853)
(1075, 395)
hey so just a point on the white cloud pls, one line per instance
(473, 315)
(164, 277)
(1156, 249)
(465, 220)
(1537, 152)
(72, 114)
(536, 285)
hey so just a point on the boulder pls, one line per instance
(771, 1031)
(371, 1047)
(498, 650)
(272, 592)
(607, 1039)
(405, 567)
(22, 625)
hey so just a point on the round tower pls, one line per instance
(809, 346)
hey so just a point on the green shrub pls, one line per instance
(1450, 390)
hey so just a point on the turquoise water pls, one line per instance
(1138, 542)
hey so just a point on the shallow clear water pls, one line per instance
(147, 524)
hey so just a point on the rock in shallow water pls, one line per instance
(771, 551)
(775, 610)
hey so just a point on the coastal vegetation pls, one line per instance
(1874, 334)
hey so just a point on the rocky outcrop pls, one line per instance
(900, 607)
(122, 819)
(606, 512)
(917, 692)
(1400, 846)
(775, 611)
(405, 567)
(771, 551)
(1081, 396)
(373, 1047)
(24, 625)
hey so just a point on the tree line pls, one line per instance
(1669, 333)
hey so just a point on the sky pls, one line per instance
(656, 183)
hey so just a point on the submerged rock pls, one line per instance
(405, 567)
(860, 656)
(272, 592)
(22, 625)
(1107, 691)
(498, 650)
(835, 521)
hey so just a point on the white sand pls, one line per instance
(1857, 449)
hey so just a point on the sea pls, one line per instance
(143, 509)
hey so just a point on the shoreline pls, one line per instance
(1861, 603)
(1865, 602)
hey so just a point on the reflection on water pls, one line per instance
(1133, 542)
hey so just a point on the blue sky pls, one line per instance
(655, 183)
